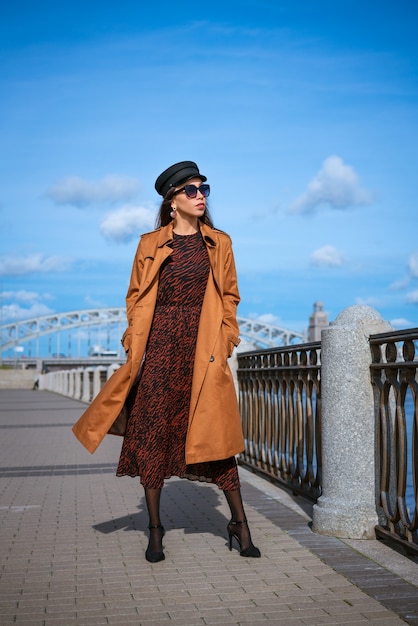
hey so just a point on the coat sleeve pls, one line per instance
(231, 299)
(132, 294)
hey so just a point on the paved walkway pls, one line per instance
(73, 542)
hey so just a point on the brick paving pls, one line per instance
(73, 539)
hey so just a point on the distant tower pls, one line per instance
(317, 322)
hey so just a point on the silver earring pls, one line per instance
(173, 213)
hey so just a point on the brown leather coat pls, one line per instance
(214, 430)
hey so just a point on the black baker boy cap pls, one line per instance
(177, 174)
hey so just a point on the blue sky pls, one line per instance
(303, 115)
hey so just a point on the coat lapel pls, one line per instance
(160, 251)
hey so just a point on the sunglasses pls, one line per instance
(191, 190)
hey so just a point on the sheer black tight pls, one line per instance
(233, 498)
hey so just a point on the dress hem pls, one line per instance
(187, 476)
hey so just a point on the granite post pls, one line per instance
(347, 506)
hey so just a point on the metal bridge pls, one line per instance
(75, 332)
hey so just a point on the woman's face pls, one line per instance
(189, 207)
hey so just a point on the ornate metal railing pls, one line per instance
(394, 376)
(280, 403)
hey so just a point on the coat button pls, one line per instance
(212, 358)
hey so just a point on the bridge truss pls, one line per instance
(70, 331)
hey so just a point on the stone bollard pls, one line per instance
(86, 396)
(71, 383)
(77, 384)
(348, 504)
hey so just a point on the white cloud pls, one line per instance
(397, 285)
(32, 305)
(93, 303)
(369, 301)
(327, 256)
(125, 223)
(20, 266)
(80, 193)
(14, 312)
(269, 318)
(336, 184)
(413, 264)
(412, 297)
(21, 296)
(400, 323)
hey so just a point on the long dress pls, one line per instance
(154, 444)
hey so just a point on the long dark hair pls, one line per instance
(164, 217)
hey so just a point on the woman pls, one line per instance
(181, 309)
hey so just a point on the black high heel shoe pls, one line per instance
(251, 550)
(151, 555)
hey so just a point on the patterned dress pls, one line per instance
(154, 444)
